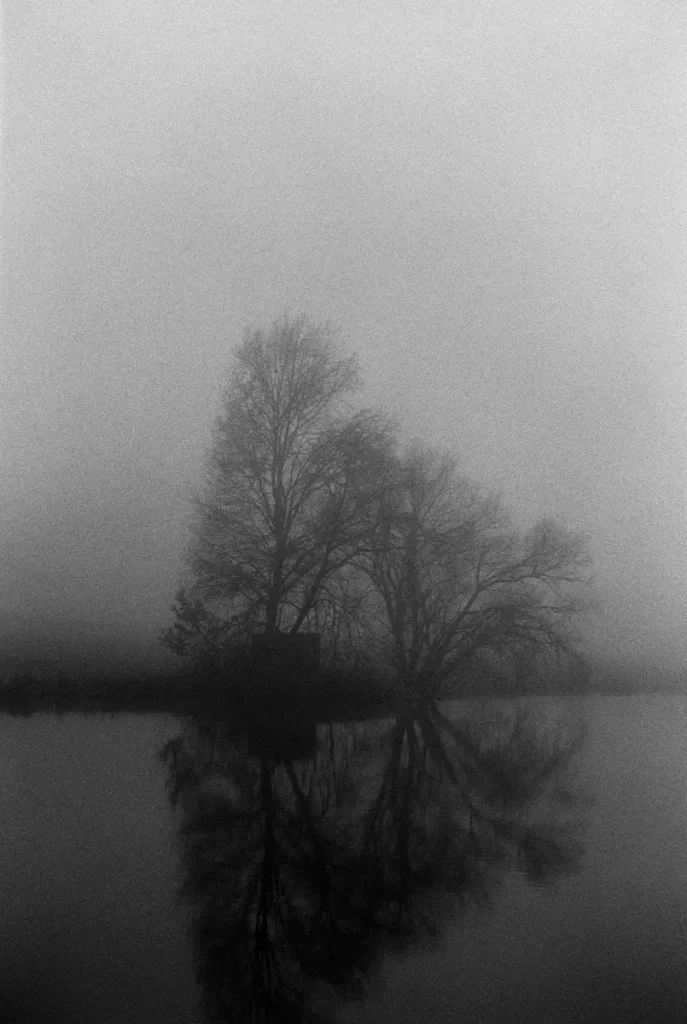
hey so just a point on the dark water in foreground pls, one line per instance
(450, 891)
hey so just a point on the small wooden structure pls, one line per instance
(285, 657)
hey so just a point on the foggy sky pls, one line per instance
(489, 199)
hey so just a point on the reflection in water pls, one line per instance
(301, 873)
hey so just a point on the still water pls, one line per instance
(384, 868)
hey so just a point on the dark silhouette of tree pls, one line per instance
(452, 580)
(309, 519)
(289, 476)
(258, 868)
(457, 806)
(303, 873)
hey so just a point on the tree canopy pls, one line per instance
(311, 517)
(451, 578)
(289, 476)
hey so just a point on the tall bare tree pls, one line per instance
(451, 579)
(290, 474)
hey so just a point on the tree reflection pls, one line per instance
(302, 873)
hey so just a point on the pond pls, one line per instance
(407, 872)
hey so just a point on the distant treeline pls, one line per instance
(326, 689)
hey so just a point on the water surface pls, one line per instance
(93, 927)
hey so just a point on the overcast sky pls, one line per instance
(490, 199)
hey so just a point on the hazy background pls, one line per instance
(490, 199)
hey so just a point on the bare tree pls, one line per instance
(286, 502)
(452, 579)
(338, 617)
(309, 518)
